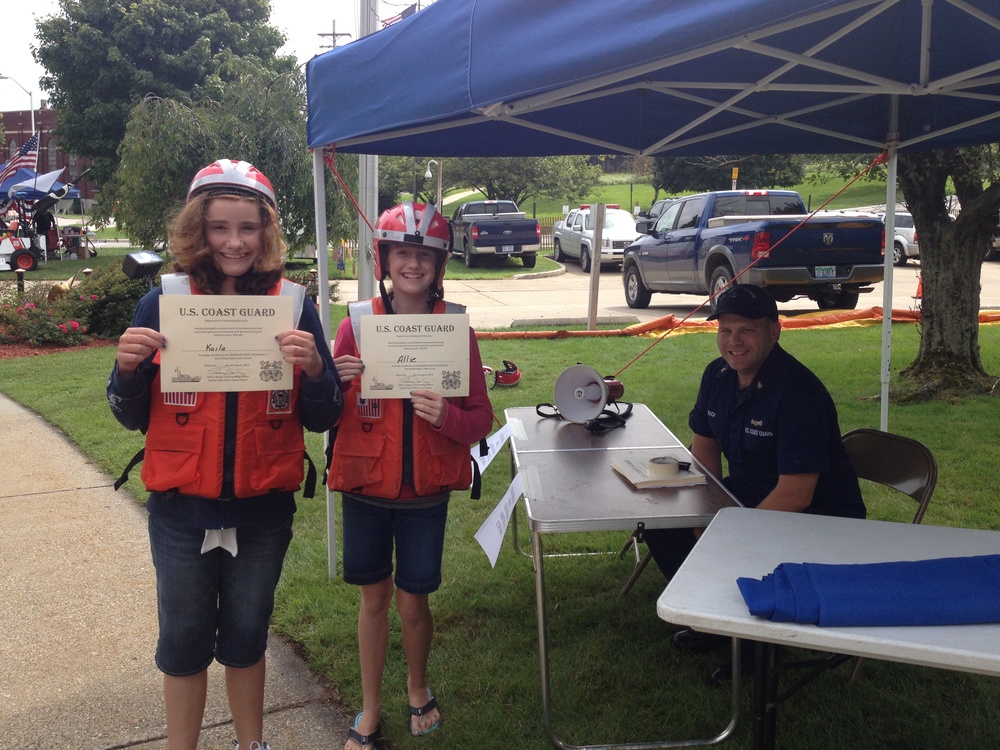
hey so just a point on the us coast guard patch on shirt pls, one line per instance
(369, 408)
(279, 402)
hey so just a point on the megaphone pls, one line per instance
(581, 393)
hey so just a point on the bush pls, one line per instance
(310, 281)
(30, 318)
(116, 297)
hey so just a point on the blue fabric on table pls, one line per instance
(943, 591)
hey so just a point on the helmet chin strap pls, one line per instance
(386, 299)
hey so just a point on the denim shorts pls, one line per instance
(214, 605)
(370, 532)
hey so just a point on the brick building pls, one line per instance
(17, 129)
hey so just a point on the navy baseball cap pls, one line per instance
(747, 301)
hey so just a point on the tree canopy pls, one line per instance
(518, 178)
(258, 118)
(102, 57)
(678, 174)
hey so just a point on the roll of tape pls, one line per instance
(663, 467)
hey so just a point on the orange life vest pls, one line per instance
(186, 445)
(368, 451)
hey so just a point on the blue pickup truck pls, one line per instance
(699, 243)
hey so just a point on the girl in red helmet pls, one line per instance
(221, 468)
(396, 461)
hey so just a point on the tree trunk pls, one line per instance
(951, 258)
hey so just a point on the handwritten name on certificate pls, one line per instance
(224, 343)
(404, 353)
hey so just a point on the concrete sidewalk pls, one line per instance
(78, 616)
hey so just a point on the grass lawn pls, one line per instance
(615, 677)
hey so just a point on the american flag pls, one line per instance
(406, 13)
(26, 156)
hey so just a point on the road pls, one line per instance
(562, 298)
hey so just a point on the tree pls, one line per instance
(105, 56)
(678, 174)
(951, 259)
(951, 256)
(568, 178)
(259, 118)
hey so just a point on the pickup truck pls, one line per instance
(573, 237)
(700, 243)
(494, 228)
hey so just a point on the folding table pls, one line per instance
(742, 542)
(569, 486)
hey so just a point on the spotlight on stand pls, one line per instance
(581, 393)
(143, 264)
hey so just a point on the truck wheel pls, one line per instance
(529, 260)
(721, 277)
(898, 255)
(585, 259)
(469, 256)
(636, 294)
(560, 255)
(24, 260)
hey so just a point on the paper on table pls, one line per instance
(634, 466)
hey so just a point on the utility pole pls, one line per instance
(334, 36)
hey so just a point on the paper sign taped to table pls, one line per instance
(490, 534)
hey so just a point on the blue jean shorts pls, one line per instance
(214, 605)
(371, 531)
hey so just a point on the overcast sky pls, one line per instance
(301, 20)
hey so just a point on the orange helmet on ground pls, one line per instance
(416, 224)
(232, 177)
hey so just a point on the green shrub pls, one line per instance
(116, 297)
(30, 318)
(311, 282)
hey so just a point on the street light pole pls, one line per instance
(427, 176)
(31, 99)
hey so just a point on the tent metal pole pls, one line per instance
(890, 232)
(323, 298)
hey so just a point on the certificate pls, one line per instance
(224, 343)
(404, 353)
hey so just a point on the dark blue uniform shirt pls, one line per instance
(785, 422)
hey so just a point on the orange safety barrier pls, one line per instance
(669, 324)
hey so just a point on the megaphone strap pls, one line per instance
(552, 413)
(609, 420)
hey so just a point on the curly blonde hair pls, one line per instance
(187, 245)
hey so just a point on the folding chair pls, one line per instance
(895, 461)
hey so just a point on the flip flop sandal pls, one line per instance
(414, 711)
(365, 740)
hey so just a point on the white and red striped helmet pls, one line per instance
(415, 224)
(232, 177)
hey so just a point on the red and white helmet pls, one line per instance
(415, 224)
(229, 177)
(509, 376)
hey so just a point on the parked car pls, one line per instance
(573, 237)
(700, 243)
(492, 228)
(904, 243)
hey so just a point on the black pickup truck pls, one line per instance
(699, 243)
(491, 228)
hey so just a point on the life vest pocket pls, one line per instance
(171, 464)
(357, 462)
(279, 465)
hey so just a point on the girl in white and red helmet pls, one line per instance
(396, 461)
(221, 468)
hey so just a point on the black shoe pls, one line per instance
(722, 675)
(699, 643)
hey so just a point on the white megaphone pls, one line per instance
(581, 393)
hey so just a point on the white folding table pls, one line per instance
(742, 542)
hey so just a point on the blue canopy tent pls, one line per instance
(28, 177)
(665, 77)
